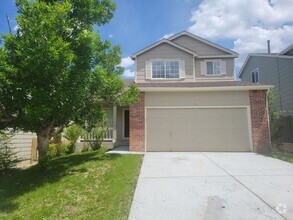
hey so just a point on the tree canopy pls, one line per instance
(57, 69)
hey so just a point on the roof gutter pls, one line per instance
(223, 88)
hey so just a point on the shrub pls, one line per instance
(58, 150)
(276, 117)
(72, 134)
(96, 136)
(85, 147)
(52, 151)
(8, 158)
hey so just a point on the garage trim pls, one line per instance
(202, 107)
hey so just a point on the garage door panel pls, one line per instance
(218, 129)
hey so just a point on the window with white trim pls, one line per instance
(255, 76)
(213, 67)
(168, 69)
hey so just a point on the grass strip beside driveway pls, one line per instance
(91, 185)
(281, 155)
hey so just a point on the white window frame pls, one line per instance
(213, 61)
(255, 71)
(165, 60)
(203, 66)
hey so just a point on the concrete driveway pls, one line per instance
(213, 186)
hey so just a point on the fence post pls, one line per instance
(34, 152)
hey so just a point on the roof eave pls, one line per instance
(217, 56)
(286, 50)
(243, 66)
(222, 88)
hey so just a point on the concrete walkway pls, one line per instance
(213, 186)
(123, 150)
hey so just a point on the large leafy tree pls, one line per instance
(57, 69)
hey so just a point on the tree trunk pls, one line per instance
(43, 146)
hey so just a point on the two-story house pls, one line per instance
(190, 101)
(274, 69)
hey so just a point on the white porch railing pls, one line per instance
(90, 136)
(108, 134)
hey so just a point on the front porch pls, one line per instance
(117, 131)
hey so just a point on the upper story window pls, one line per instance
(165, 69)
(213, 67)
(255, 76)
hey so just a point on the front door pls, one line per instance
(126, 123)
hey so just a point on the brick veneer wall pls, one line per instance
(259, 121)
(137, 125)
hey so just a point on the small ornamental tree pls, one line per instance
(8, 156)
(276, 116)
(56, 69)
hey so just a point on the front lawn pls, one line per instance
(91, 185)
(279, 154)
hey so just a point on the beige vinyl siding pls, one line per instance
(198, 46)
(218, 98)
(268, 69)
(164, 51)
(229, 62)
(21, 143)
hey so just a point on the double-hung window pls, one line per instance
(168, 69)
(213, 67)
(255, 76)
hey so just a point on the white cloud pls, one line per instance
(126, 62)
(249, 24)
(128, 73)
(15, 28)
(166, 36)
(128, 65)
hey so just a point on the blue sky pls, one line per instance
(243, 26)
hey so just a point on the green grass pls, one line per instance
(90, 185)
(279, 154)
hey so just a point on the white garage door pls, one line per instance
(189, 129)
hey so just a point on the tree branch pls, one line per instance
(7, 117)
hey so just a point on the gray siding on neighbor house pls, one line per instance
(286, 82)
(273, 71)
(164, 51)
(199, 47)
(229, 69)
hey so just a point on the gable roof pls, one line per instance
(286, 50)
(170, 42)
(161, 42)
(233, 53)
(274, 55)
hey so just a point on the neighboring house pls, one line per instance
(274, 69)
(190, 101)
